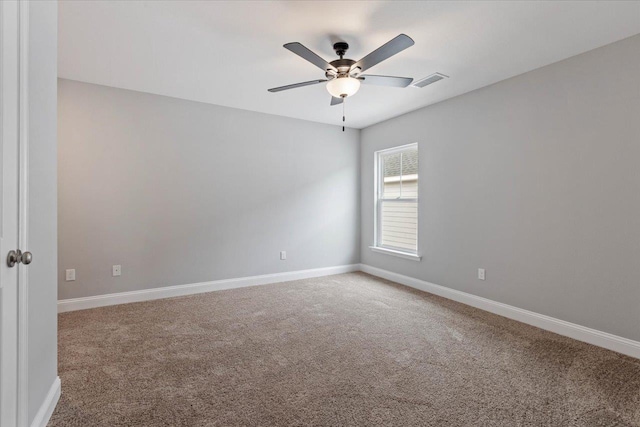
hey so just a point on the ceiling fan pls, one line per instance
(343, 76)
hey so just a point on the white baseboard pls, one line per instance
(46, 409)
(196, 288)
(572, 330)
(561, 327)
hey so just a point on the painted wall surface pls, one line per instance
(181, 192)
(42, 239)
(535, 179)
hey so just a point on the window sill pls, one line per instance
(400, 254)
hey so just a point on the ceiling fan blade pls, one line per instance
(295, 85)
(385, 80)
(336, 101)
(307, 54)
(385, 51)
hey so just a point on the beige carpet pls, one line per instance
(346, 350)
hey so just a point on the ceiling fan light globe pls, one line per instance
(341, 87)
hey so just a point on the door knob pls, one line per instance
(13, 258)
(26, 258)
(17, 257)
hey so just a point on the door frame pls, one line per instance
(14, 77)
(23, 212)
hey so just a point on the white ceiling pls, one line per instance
(230, 52)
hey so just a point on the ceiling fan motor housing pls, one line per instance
(343, 66)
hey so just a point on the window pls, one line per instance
(396, 228)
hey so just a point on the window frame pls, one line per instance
(378, 177)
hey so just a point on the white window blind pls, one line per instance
(397, 199)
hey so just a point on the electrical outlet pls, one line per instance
(117, 270)
(70, 275)
(283, 255)
(481, 273)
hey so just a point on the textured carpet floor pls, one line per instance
(345, 350)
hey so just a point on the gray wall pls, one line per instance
(537, 180)
(181, 192)
(43, 284)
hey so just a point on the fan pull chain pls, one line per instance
(344, 101)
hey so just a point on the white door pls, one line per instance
(12, 177)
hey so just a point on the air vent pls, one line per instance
(429, 79)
